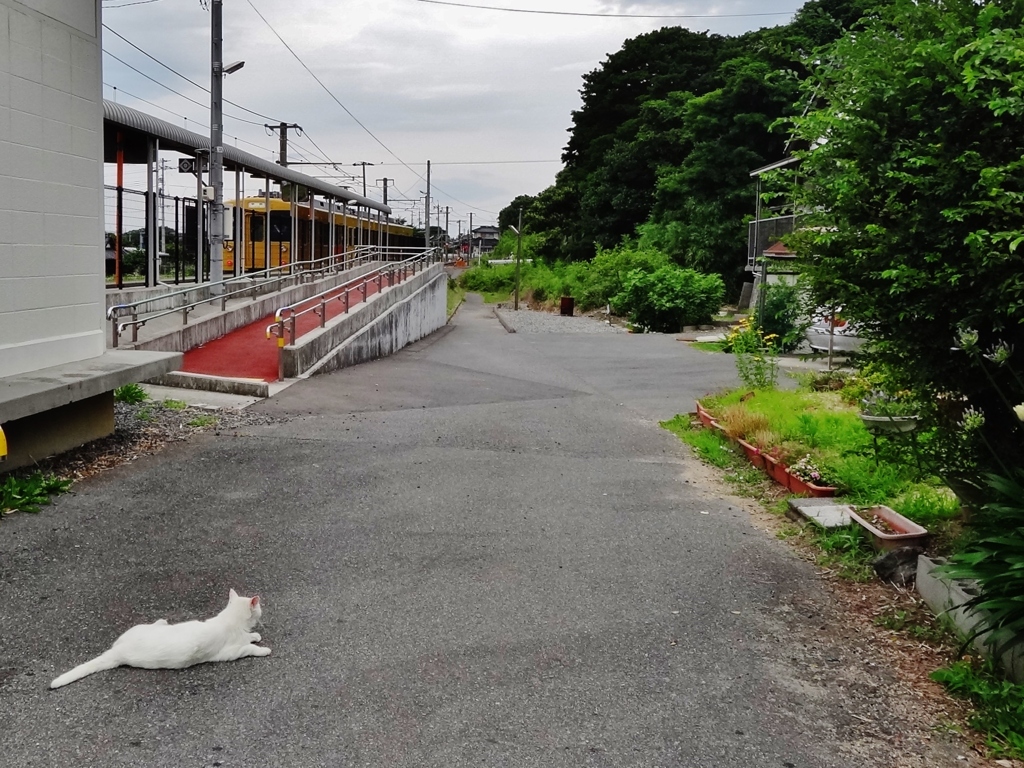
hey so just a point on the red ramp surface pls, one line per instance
(247, 353)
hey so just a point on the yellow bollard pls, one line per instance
(3, 445)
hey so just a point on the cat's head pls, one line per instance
(248, 607)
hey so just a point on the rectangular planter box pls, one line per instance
(908, 533)
(804, 488)
(753, 453)
(705, 418)
(946, 597)
(776, 470)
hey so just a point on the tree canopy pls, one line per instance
(914, 176)
(668, 130)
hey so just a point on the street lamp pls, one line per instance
(217, 72)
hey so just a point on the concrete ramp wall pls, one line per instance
(386, 323)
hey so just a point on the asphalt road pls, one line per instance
(481, 551)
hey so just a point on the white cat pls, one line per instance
(160, 645)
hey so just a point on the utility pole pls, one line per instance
(216, 147)
(447, 236)
(385, 181)
(364, 164)
(471, 236)
(426, 209)
(282, 129)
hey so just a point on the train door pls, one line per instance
(255, 247)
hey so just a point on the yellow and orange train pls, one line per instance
(351, 231)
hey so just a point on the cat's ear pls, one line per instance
(254, 602)
(233, 595)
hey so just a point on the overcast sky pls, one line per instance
(485, 95)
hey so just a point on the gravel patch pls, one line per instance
(141, 429)
(533, 321)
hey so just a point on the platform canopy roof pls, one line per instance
(136, 128)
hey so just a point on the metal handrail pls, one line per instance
(361, 255)
(285, 317)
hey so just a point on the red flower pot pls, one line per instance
(753, 453)
(804, 488)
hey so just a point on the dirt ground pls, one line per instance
(923, 724)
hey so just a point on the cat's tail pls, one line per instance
(103, 661)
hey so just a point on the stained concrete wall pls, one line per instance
(383, 325)
(51, 184)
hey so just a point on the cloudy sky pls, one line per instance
(485, 95)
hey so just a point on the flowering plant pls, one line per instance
(879, 403)
(809, 472)
(757, 355)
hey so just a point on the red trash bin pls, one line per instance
(568, 305)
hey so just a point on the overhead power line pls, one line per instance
(125, 5)
(609, 15)
(183, 77)
(179, 93)
(349, 113)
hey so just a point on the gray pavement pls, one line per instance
(481, 551)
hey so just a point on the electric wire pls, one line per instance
(183, 77)
(608, 15)
(350, 114)
(125, 5)
(179, 93)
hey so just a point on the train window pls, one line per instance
(256, 228)
(280, 226)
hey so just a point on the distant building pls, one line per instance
(485, 238)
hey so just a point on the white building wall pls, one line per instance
(51, 184)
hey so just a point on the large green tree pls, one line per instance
(915, 178)
(668, 130)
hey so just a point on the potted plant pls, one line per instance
(888, 529)
(808, 479)
(881, 413)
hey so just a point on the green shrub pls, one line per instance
(130, 393)
(605, 276)
(783, 316)
(668, 298)
(489, 279)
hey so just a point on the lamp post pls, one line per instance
(217, 72)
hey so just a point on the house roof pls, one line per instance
(779, 250)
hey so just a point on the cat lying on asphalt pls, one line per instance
(160, 645)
